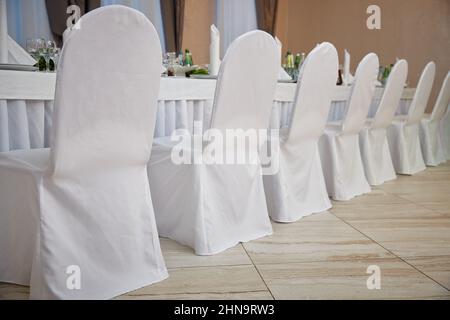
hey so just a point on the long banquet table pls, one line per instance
(26, 106)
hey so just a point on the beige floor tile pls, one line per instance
(206, 281)
(409, 237)
(381, 205)
(430, 189)
(178, 256)
(251, 295)
(348, 280)
(13, 292)
(437, 268)
(316, 238)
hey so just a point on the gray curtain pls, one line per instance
(173, 19)
(57, 14)
(266, 13)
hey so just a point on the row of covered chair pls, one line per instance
(98, 199)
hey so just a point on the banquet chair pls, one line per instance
(431, 141)
(403, 134)
(373, 137)
(76, 220)
(298, 188)
(212, 206)
(339, 145)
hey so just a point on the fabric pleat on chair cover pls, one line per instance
(339, 145)
(374, 145)
(211, 207)
(403, 134)
(444, 131)
(433, 147)
(298, 188)
(82, 209)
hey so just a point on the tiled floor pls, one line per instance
(403, 227)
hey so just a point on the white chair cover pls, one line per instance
(403, 134)
(85, 203)
(298, 189)
(339, 146)
(373, 138)
(433, 148)
(212, 207)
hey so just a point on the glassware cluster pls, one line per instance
(46, 53)
(292, 64)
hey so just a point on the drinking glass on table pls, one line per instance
(32, 48)
(169, 63)
(40, 46)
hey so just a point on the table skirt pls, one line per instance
(26, 124)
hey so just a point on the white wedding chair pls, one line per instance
(298, 188)
(433, 147)
(212, 207)
(373, 138)
(339, 145)
(403, 134)
(76, 220)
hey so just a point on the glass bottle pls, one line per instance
(188, 59)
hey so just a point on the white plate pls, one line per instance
(17, 67)
(203, 76)
(286, 81)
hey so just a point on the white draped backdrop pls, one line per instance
(234, 18)
(151, 8)
(27, 19)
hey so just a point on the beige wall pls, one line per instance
(199, 15)
(416, 30)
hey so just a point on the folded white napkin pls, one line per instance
(18, 55)
(282, 75)
(347, 76)
(3, 33)
(214, 51)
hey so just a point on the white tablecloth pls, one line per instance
(26, 106)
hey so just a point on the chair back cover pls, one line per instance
(391, 96)
(362, 94)
(246, 83)
(420, 100)
(106, 93)
(96, 208)
(316, 85)
(443, 100)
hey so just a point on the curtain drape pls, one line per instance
(173, 19)
(266, 13)
(57, 14)
(151, 8)
(28, 20)
(234, 18)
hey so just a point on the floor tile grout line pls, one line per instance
(257, 270)
(411, 265)
(211, 266)
(413, 202)
(191, 293)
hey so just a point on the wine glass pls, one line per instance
(169, 63)
(40, 46)
(32, 48)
